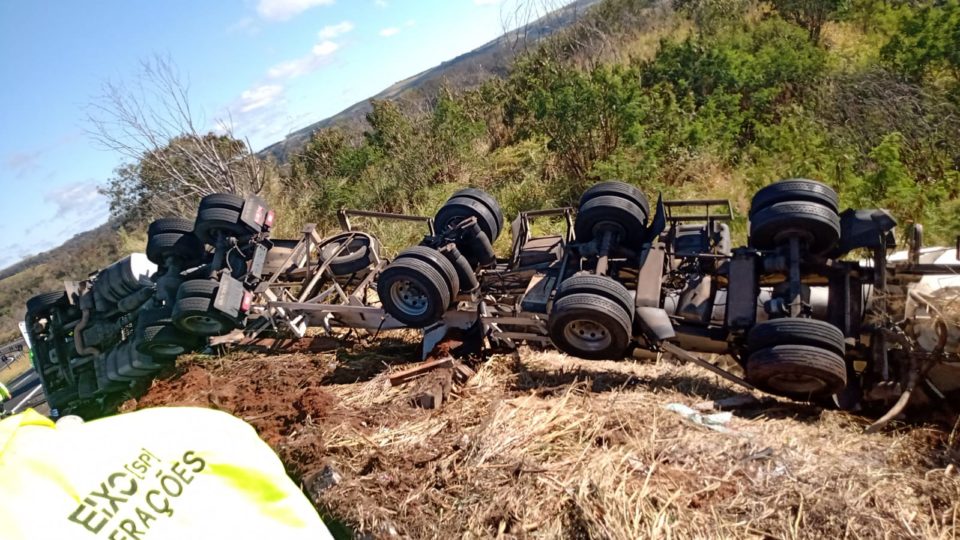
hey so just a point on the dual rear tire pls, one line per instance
(797, 358)
(613, 207)
(418, 286)
(173, 237)
(592, 318)
(801, 208)
(194, 313)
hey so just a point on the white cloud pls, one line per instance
(291, 68)
(410, 22)
(334, 30)
(281, 10)
(80, 200)
(259, 97)
(391, 31)
(318, 57)
(380, 3)
(324, 48)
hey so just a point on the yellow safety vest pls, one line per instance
(166, 473)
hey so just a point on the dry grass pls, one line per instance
(14, 369)
(551, 447)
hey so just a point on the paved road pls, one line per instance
(26, 389)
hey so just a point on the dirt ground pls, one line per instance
(538, 445)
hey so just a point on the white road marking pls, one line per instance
(26, 399)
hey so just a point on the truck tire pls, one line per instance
(173, 236)
(213, 220)
(617, 189)
(798, 372)
(158, 338)
(590, 326)
(604, 286)
(42, 302)
(130, 367)
(143, 363)
(413, 292)
(795, 189)
(167, 225)
(611, 213)
(439, 263)
(202, 287)
(222, 200)
(197, 316)
(358, 255)
(458, 209)
(818, 226)
(796, 331)
(487, 200)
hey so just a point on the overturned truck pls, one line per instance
(818, 306)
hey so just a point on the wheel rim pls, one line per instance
(409, 297)
(202, 324)
(587, 335)
(797, 383)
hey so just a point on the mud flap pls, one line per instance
(230, 296)
(432, 336)
(471, 339)
(655, 324)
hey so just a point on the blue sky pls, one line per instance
(271, 66)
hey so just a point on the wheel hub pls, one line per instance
(587, 335)
(203, 323)
(409, 297)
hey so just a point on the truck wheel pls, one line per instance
(413, 292)
(457, 209)
(203, 287)
(487, 200)
(617, 189)
(173, 237)
(158, 338)
(105, 384)
(130, 364)
(211, 221)
(42, 303)
(604, 286)
(357, 255)
(796, 331)
(193, 312)
(817, 226)
(614, 214)
(143, 362)
(795, 189)
(439, 262)
(222, 200)
(589, 326)
(799, 372)
(196, 315)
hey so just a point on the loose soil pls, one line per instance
(538, 445)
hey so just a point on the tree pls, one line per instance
(928, 43)
(175, 159)
(809, 14)
(711, 15)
